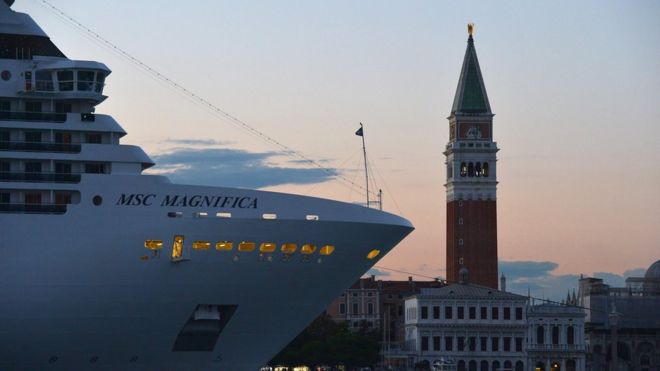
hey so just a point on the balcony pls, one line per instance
(39, 177)
(39, 147)
(32, 116)
(32, 208)
(556, 348)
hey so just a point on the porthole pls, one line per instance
(267, 247)
(6, 75)
(307, 249)
(246, 246)
(327, 250)
(97, 200)
(289, 248)
(153, 244)
(201, 245)
(224, 246)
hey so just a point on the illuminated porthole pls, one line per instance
(224, 246)
(201, 245)
(246, 246)
(373, 254)
(307, 249)
(267, 247)
(177, 247)
(289, 248)
(153, 244)
(327, 250)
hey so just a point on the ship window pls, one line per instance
(312, 217)
(200, 214)
(94, 168)
(4, 136)
(267, 247)
(85, 80)
(5, 105)
(33, 167)
(62, 198)
(269, 216)
(224, 246)
(63, 138)
(246, 246)
(153, 244)
(177, 247)
(484, 169)
(44, 81)
(223, 215)
(289, 248)
(327, 250)
(65, 80)
(4, 197)
(100, 79)
(5, 166)
(62, 107)
(463, 169)
(307, 249)
(32, 106)
(201, 245)
(33, 136)
(95, 138)
(373, 253)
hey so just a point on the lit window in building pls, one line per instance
(307, 249)
(373, 253)
(484, 170)
(201, 245)
(289, 248)
(477, 169)
(153, 244)
(328, 250)
(267, 247)
(177, 247)
(464, 169)
(224, 245)
(246, 246)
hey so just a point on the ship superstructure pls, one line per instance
(103, 267)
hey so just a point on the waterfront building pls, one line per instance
(470, 326)
(555, 338)
(622, 324)
(471, 178)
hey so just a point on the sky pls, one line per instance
(574, 86)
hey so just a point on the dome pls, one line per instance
(653, 271)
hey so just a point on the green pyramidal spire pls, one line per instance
(471, 94)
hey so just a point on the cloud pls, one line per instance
(538, 277)
(377, 272)
(197, 142)
(233, 168)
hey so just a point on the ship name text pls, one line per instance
(151, 199)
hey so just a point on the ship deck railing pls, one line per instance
(41, 177)
(33, 208)
(39, 146)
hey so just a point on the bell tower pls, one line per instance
(471, 178)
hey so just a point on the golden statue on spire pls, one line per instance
(470, 28)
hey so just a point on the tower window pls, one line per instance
(484, 170)
(460, 242)
(478, 171)
(450, 172)
(460, 221)
(464, 169)
(470, 169)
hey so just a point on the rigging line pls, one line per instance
(389, 192)
(200, 100)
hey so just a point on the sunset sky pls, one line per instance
(574, 86)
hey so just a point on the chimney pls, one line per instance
(502, 283)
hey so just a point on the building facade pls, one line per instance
(622, 324)
(555, 338)
(471, 179)
(472, 327)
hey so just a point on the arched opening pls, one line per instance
(555, 335)
(570, 365)
(461, 365)
(472, 366)
(484, 169)
(508, 366)
(554, 366)
(540, 335)
(520, 366)
(570, 335)
(496, 365)
(477, 169)
(540, 366)
(484, 366)
(470, 169)
(463, 169)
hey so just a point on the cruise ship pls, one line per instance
(103, 267)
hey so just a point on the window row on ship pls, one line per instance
(37, 201)
(40, 109)
(50, 140)
(49, 171)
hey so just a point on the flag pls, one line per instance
(359, 132)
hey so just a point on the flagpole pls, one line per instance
(366, 173)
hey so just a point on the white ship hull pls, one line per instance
(79, 294)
